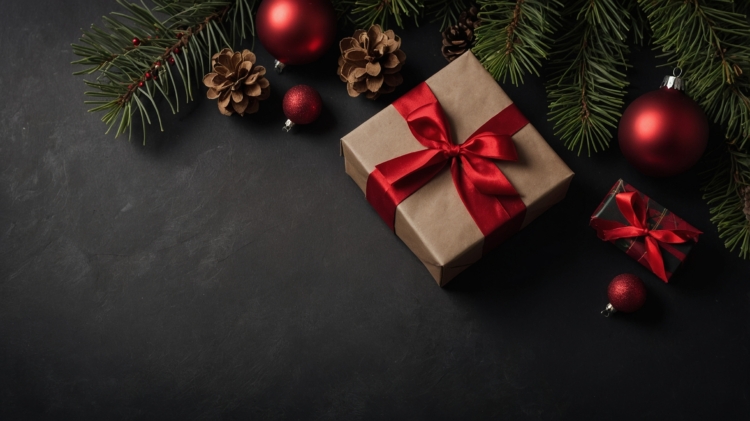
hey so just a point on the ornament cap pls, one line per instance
(288, 126)
(674, 81)
(609, 310)
(278, 66)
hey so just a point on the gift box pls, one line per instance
(655, 237)
(454, 168)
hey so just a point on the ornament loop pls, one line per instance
(677, 69)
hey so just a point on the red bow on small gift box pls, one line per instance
(634, 209)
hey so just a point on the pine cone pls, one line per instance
(370, 62)
(460, 37)
(237, 82)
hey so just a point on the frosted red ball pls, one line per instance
(663, 133)
(302, 104)
(626, 293)
(296, 31)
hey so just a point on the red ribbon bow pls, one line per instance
(490, 198)
(633, 208)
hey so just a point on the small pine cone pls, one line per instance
(459, 38)
(747, 202)
(237, 82)
(370, 62)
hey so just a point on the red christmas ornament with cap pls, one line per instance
(626, 294)
(296, 31)
(664, 132)
(302, 105)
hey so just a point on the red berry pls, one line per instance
(140, 84)
(156, 76)
(179, 35)
(176, 50)
(171, 60)
(136, 42)
(147, 76)
(157, 64)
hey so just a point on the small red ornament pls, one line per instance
(664, 132)
(302, 105)
(626, 294)
(136, 42)
(171, 60)
(296, 31)
(176, 50)
(147, 76)
(140, 84)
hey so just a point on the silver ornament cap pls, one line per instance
(674, 81)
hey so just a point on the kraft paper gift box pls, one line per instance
(434, 221)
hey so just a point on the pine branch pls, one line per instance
(135, 55)
(365, 13)
(446, 11)
(727, 191)
(710, 41)
(588, 81)
(515, 36)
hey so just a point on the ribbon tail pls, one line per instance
(655, 259)
(497, 217)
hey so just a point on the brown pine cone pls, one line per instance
(370, 62)
(459, 38)
(237, 82)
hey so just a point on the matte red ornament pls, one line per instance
(664, 132)
(626, 294)
(296, 31)
(302, 105)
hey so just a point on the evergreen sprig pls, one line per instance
(365, 13)
(587, 80)
(446, 11)
(710, 40)
(515, 36)
(130, 78)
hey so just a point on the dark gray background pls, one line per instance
(228, 270)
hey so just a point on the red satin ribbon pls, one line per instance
(493, 203)
(634, 210)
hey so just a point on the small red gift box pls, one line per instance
(655, 237)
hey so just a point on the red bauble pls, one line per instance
(626, 294)
(664, 132)
(302, 105)
(296, 31)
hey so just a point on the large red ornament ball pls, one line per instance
(302, 104)
(663, 133)
(296, 31)
(626, 293)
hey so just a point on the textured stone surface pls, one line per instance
(228, 270)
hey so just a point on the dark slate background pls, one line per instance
(228, 270)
